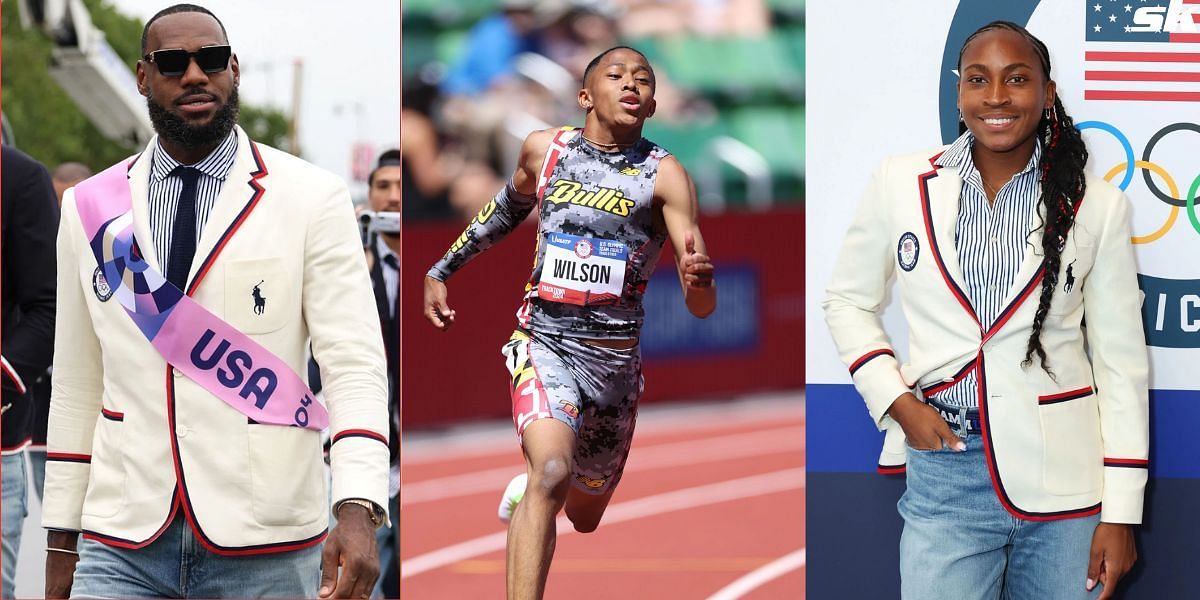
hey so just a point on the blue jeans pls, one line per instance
(14, 509)
(37, 460)
(177, 566)
(387, 542)
(960, 543)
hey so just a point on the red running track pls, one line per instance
(711, 506)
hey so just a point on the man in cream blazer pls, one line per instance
(138, 451)
(1058, 447)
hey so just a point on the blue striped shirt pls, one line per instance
(991, 241)
(164, 192)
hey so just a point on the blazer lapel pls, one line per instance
(940, 192)
(1028, 276)
(236, 192)
(139, 191)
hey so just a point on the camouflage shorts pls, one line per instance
(592, 389)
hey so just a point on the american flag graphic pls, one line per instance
(1142, 50)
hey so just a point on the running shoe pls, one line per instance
(512, 495)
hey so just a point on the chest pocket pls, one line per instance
(260, 295)
(1077, 259)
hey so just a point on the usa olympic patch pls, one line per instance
(583, 248)
(100, 285)
(907, 251)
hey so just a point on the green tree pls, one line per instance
(49, 126)
(123, 33)
(46, 123)
(266, 125)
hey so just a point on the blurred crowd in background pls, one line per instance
(479, 75)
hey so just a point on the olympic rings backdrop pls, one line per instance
(881, 81)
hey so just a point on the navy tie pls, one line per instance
(183, 230)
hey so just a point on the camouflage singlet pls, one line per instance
(598, 241)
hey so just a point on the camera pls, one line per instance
(371, 223)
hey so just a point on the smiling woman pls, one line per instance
(1001, 98)
(1025, 453)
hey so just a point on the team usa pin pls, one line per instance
(100, 285)
(907, 251)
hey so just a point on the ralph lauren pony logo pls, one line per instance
(1070, 284)
(260, 302)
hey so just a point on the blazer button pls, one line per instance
(181, 431)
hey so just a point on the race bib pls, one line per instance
(582, 270)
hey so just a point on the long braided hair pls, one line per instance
(1062, 177)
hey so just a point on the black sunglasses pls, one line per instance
(174, 62)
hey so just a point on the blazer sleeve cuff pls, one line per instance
(65, 486)
(877, 377)
(894, 456)
(360, 469)
(1124, 493)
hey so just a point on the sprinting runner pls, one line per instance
(607, 200)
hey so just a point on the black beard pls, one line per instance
(175, 129)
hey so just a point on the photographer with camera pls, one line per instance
(380, 226)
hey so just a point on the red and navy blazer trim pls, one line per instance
(181, 483)
(1083, 392)
(118, 542)
(959, 295)
(364, 433)
(994, 473)
(1127, 463)
(189, 513)
(932, 389)
(923, 185)
(258, 189)
(1011, 309)
(180, 497)
(890, 469)
(1030, 286)
(112, 415)
(868, 357)
(978, 364)
(69, 457)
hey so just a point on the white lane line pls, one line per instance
(713, 493)
(741, 445)
(486, 440)
(760, 576)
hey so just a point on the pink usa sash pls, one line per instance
(223, 360)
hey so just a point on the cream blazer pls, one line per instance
(1055, 448)
(131, 440)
